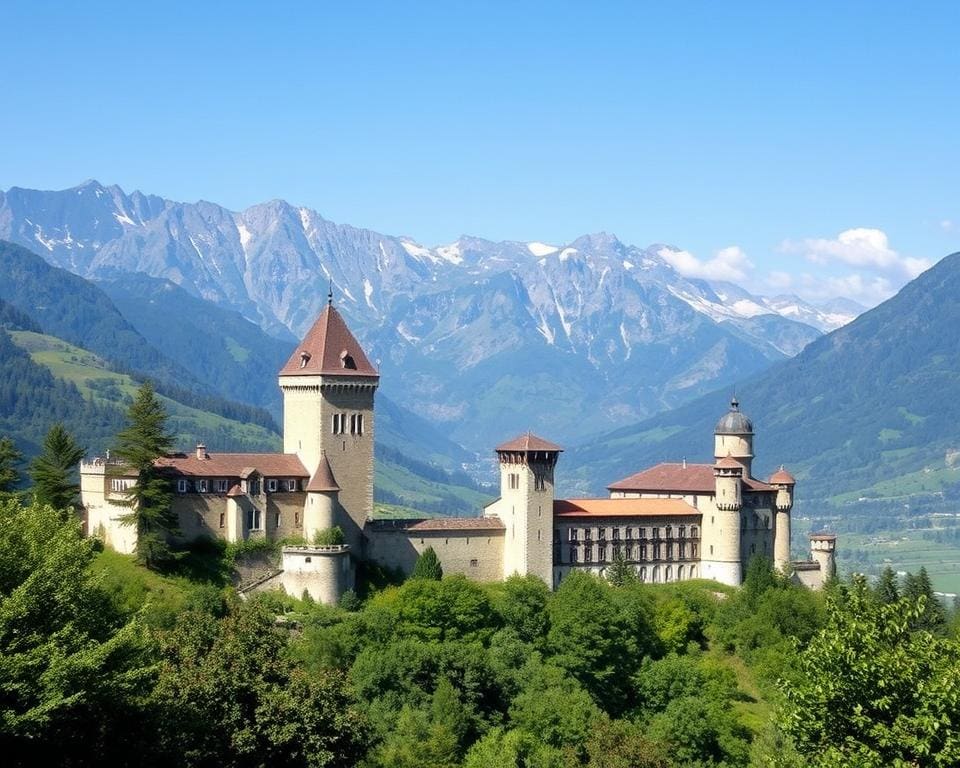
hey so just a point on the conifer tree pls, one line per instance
(139, 445)
(887, 590)
(620, 571)
(52, 471)
(10, 457)
(427, 566)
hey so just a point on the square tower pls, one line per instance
(328, 389)
(525, 505)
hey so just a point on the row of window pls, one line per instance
(634, 553)
(539, 481)
(584, 534)
(220, 485)
(341, 421)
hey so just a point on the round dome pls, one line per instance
(782, 477)
(734, 422)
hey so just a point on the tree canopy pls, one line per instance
(54, 471)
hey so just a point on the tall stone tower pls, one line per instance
(720, 550)
(525, 505)
(328, 388)
(783, 481)
(734, 437)
(822, 549)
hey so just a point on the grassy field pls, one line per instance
(905, 551)
(416, 491)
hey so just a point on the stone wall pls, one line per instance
(477, 554)
(323, 572)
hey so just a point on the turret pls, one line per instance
(322, 508)
(525, 505)
(733, 437)
(720, 547)
(822, 550)
(783, 502)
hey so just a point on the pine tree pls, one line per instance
(934, 617)
(887, 590)
(620, 571)
(10, 457)
(52, 471)
(150, 498)
(427, 566)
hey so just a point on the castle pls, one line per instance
(671, 522)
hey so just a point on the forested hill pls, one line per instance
(876, 399)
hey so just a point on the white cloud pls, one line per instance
(729, 263)
(868, 290)
(859, 247)
(947, 225)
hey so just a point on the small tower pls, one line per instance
(734, 437)
(822, 550)
(783, 481)
(525, 505)
(321, 510)
(328, 388)
(720, 546)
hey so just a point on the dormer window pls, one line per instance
(271, 485)
(347, 361)
(304, 358)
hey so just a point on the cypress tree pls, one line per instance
(52, 471)
(427, 566)
(620, 571)
(138, 446)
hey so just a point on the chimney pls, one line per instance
(201, 452)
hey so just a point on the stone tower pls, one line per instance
(525, 505)
(783, 481)
(720, 546)
(822, 549)
(734, 437)
(328, 388)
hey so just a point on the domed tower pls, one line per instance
(783, 481)
(720, 546)
(734, 437)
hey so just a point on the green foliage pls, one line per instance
(74, 674)
(54, 471)
(10, 458)
(700, 732)
(139, 446)
(887, 590)
(620, 571)
(427, 566)
(328, 536)
(521, 604)
(933, 616)
(871, 691)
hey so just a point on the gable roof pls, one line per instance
(234, 465)
(679, 478)
(329, 349)
(622, 508)
(528, 442)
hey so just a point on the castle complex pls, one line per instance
(671, 522)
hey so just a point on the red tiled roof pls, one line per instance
(621, 507)
(782, 477)
(679, 478)
(457, 524)
(329, 349)
(234, 464)
(728, 462)
(824, 536)
(528, 442)
(323, 479)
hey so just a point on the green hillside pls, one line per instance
(92, 376)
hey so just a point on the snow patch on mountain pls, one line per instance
(541, 249)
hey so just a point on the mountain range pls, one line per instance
(481, 339)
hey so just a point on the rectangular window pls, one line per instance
(573, 554)
(271, 485)
(643, 551)
(474, 563)
(181, 486)
(656, 533)
(222, 519)
(642, 534)
(601, 534)
(254, 486)
(693, 531)
(602, 553)
(587, 554)
(276, 520)
(253, 519)
(514, 481)
(656, 551)
(572, 534)
(629, 534)
(339, 423)
(291, 485)
(296, 518)
(539, 484)
(221, 486)
(201, 486)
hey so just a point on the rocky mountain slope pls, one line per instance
(481, 338)
(869, 410)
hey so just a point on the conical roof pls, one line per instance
(323, 479)
(329, 349)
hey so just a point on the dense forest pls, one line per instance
(105, 662)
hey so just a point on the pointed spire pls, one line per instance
(329, 349)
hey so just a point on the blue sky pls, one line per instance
(751, 135)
